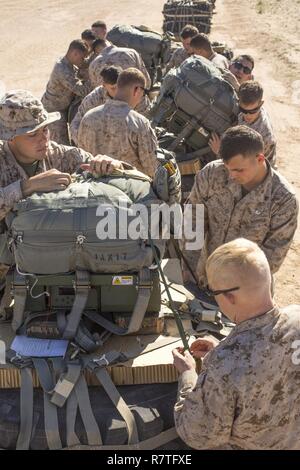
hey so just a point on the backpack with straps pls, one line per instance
(65, 271)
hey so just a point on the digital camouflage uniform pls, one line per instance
(63, 158)
(247, 394)
(121, 56)
(117, 130)
(96, 98)
(63, 87)
(267, 215)
(264, 127)
(178, 56)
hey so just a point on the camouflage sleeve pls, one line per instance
(93, 73)
(85, 106)
(73, 84)
(9, 196)
(205, 408)
(73, 158)
(270, 153)
(147, 146)
(282, 229)
(86, 136)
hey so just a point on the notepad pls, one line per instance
(35, 347)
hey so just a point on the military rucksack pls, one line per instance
(154, 48)
(63, 265)
(194, 101)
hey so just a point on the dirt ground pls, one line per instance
(34, 33)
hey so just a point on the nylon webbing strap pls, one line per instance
(81, 297)
(106, 382)
(50, 410)
(72, 406)
(26, 409)
(149, 444)
(20, 295)
(65, 385)
(88, 418)
(142, 301)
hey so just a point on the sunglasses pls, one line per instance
(145, 90)
(250, 111)
(240, 66)
(213, 293)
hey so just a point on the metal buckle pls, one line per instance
(102, 358)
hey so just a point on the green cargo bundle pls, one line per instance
(66, 271)
(154, 48)
(194, 101)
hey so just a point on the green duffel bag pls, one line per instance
(196, 89)
(154, 48)
(58, 232)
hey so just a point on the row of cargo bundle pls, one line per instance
(178, 13)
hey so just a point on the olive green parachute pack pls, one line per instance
(154, 48)
(67, 268)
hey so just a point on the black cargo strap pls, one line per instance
(26, 409)
(50, 410)
(112, 392)
(20, 295)
(142, 301)
(82, 292)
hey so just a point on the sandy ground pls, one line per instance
(34, 33)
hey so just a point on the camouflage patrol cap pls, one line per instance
(22, 113)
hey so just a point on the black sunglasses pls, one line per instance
(213, 293)
(240, 66)
(145, 90)
(250, 111)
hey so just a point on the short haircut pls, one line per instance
(201, 41)
(240, 140)
(241, 260)
(79, 45)
(110, 74)
(245, 57)
(131, 76)
(250, 92)
(88, 35)
(189, 31)
(99, 24)
(97, 43)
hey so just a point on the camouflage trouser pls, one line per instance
(59, 130)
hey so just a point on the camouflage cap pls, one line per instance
(22, 113)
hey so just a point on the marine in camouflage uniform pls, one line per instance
(96, 98)
(266, 214)
(178, 57)
(115, 129)
(264, 127)
(22, 113)
(63, 87)
(247, 394)
(121, 56)
(219, 61)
